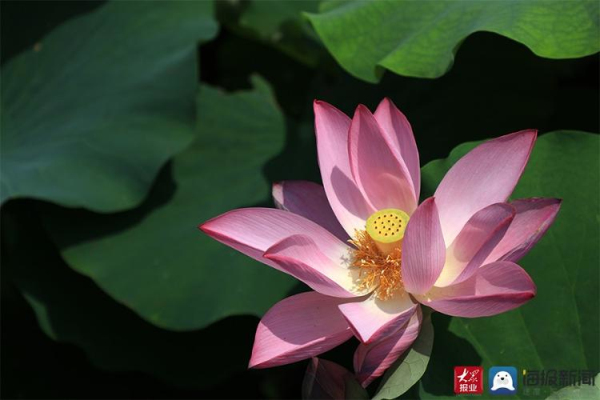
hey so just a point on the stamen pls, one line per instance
(377, 271)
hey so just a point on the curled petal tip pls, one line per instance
(205, 226)
(320, 103)
(361, 108)
(253, 365)
(255, 362)
(319, 106)
(533, 291)
(387, 102)
(530, 132)
(429, 200)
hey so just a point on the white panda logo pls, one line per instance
(503, 380)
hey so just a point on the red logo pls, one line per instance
(468, 380)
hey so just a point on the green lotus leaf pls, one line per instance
(154, 259)
(419, 38)
(92, 112)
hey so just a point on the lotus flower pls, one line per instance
(372, 255)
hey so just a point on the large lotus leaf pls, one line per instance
(419, 38)
(71, 308)
(154, 259)
(558, 329)
(267, 17)
(585, 391)
(277, 23)
(92, 112)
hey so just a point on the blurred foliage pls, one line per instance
(276, 23)
(96, 144)
(419, 38)
(111, 283)
(183, 279)
(72, 308)
(269, 17)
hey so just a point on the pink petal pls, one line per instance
(297, 328)
(423, 249)
(372, 318)
(371, 360)
(325, 380)
(493, 289)
(308, 199)
(384, 180)
(253, 230)
(475, 242)
(300, 256)
(345, 198)
(399, 133)
(486, 175)
(533, 218)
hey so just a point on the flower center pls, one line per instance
(387, 227)
(378, 253)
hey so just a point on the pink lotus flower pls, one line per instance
(372, 256)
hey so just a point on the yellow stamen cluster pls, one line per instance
(377, 271)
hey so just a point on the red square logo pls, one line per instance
(468, 380)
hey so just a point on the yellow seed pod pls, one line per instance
(387, 228)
